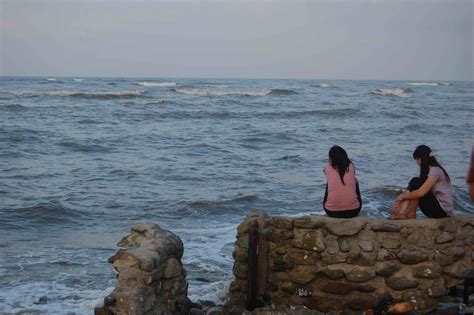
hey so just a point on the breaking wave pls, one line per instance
(156, 84)
(325, 85)
(209, 92)
(78, 80)
(392, 92)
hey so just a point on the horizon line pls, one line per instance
(218, 78)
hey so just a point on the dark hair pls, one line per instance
(339, 160)
(424, 153)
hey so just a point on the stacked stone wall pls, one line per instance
(151, 278)
(328, 264)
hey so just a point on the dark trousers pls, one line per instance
(428, 204)
(344, 213)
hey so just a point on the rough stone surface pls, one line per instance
(350, 265)
(151, 278)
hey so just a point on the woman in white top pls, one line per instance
(431, 191)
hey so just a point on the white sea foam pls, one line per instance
(325, 85)
(51, 79)
(156, 84)
(392, 92)
(157, 101)
(428, 83)
(99, 94)
(78, 80)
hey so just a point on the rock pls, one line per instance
(385, 255)
(282, 223)
(173, 268)
(422, 238)
(338, 287)
(281, 234)
(240, 270)
(243, 241)
(102, 311)
(385, 227)
(217, 310)
(309, 240)
(363, 259)
(333, 274)
(346, 227)
(288, 287)
(303, 257)
(444, 237)
(308, 222)
(240, 254)
(343, 246)
(418, 300)
(411, 257)
(366, 246)
(196, 311)
(245, 227)
(277, 263)
(42, 300)
(400, 283)
(238, 285)
(303, 274)
(427, 270)
(330, 259)
(448, 225)
(459, 270)
(359, 274)
(386, 268)
(390, 243)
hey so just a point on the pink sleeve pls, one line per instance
(435, 171)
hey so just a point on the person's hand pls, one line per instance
(402, 196)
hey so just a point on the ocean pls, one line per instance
(82, 160)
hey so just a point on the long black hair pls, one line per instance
(339, 160)
(424, 153)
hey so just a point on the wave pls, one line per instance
(51, 212)
(79, 94)
(325, 85)
(157, 101)
(51, 79)
(214, 92)
(78, 80)
(156, 84)
(392, 92)
(13, 107)
(429, 83)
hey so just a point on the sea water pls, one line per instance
(82, 160)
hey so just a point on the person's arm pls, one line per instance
(420, 192)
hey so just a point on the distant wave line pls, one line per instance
(208, 92)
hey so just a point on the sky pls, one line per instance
(357, 39)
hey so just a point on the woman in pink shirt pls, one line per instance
(431, 191)
(342, 198)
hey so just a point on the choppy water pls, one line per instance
(82, 160)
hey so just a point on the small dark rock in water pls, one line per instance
(217, 310)
(202, 280)
(195, 311)
(42, 300)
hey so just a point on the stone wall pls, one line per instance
(330, 264)
(151, 278)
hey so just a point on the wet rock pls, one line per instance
(196, 311)
(42, 300)
(217, 310)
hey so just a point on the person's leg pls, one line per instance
(430, 206)
(407, 208)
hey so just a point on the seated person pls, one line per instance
(431, 191)
(342, 198)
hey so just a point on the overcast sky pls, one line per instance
(425, 40)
